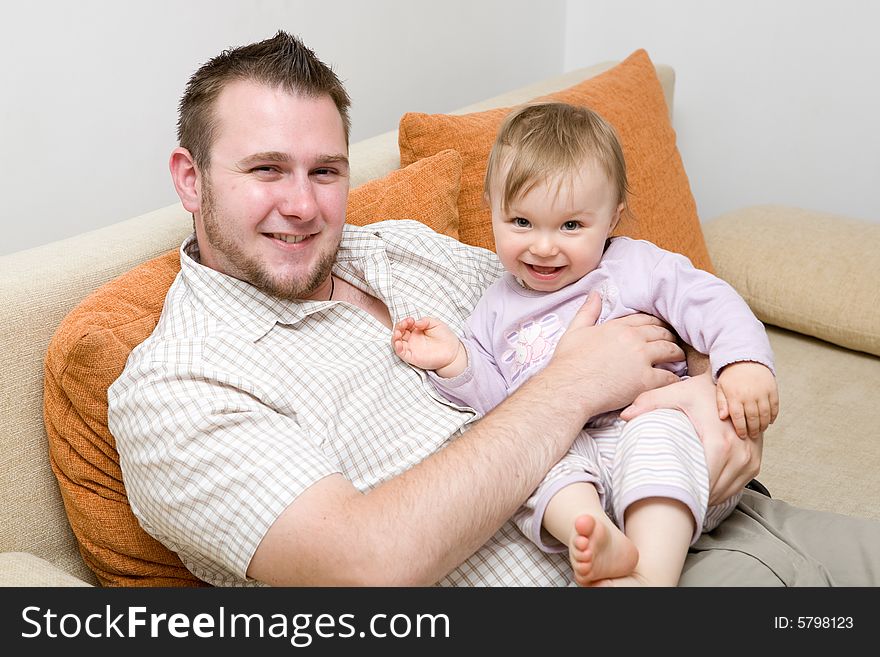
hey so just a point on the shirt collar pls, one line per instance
(248, 310)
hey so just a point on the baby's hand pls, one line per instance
(427, 343)
(748, 395)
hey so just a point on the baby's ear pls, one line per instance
(486, 202)
(616, 220)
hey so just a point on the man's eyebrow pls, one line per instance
(268, 156)
(279, 157)
(333, 158)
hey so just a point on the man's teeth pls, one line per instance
(290, 239)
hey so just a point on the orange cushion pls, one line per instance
(426, 191)
(631, 98)
(89, 350)
(86, 354)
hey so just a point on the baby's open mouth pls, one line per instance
(544, 271)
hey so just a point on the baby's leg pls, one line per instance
(661, 529)
(597, 549)
(660, 486)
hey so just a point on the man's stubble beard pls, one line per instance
(250, 269)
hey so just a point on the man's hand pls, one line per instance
(732, 462)
(747, 394)
(614, 362)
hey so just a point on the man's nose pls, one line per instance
(298, 199)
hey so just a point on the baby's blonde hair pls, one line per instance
(543, 141)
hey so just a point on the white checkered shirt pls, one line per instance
(240, 401)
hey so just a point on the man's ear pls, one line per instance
(186, 177)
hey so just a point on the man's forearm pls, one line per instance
(458, 498)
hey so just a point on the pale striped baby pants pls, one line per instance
(658, 454)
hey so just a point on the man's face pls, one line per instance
(274, 195)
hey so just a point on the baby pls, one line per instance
(630, 497)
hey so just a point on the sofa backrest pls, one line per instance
(38, 287)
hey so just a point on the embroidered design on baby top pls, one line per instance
(532, 343)
(610, 296)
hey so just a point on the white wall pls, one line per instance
(89, 88)
(775, 102)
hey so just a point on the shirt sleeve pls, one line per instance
(208, 468)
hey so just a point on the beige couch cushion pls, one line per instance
(814, 273)
(23, 569)
(821, 453)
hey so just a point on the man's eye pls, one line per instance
(265, 169)
(519, 222)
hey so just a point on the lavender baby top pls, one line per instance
(513, 331)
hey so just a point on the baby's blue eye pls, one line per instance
(570, 225)
(520, 222)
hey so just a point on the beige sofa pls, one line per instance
(822, 453)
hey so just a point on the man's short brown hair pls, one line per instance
(282, 61)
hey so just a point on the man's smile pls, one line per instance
(283, 239)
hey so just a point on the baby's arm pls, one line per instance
(748, 395)
(430, 344)
(709, 314)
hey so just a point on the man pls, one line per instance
(268, 433)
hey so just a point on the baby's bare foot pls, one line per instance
(599, 551)
(634, 579)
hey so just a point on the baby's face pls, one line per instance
(554, 234)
